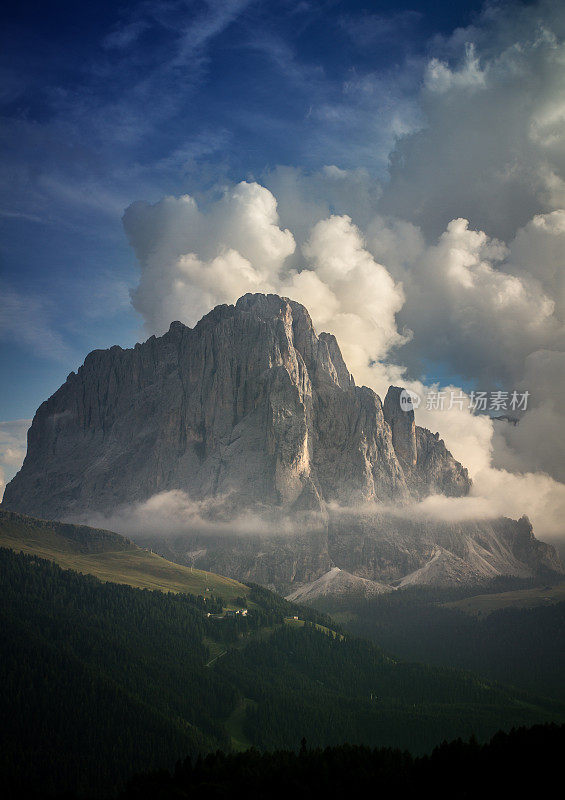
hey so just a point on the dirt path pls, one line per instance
(215, 658)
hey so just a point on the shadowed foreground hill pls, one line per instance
(100, 680)
(524, 763)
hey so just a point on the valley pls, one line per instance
(129, 678)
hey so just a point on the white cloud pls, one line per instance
(192, 259)
(174, 512)
(368, 298)
(500, 493)
(441, 78)
(537, 495)
(467, 310)
(459, 297)
(492, 148)
(538, 249)
(13, 443)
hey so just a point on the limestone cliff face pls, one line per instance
(402, 426)
(250, 405)
(429, 467)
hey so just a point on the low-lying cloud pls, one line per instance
(174, 513)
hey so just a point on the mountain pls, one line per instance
(338, 581)
(252, 412)
(99, 680)
(249, 404)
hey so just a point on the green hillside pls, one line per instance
(109, 557)
(99, 680)
(519, 598)
(516, 636)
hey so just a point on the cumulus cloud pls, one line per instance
(492, 149)
(191, 260)
(538, 247)
(366, 299)
(13, 442)
(464, 302)
(458, 299)
(303, 199)
(536, 443)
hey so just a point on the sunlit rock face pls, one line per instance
(251, 404)
(429, 467)
(251, 411)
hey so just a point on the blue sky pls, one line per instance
(108, 103)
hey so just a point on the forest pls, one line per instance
(524, 647)
(457, 770)
(99, 681)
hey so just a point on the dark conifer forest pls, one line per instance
(519, 764)
(100, 681)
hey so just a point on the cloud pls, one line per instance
(192, 260)
(174, 512)
(534, 444)
(13, 444)
(492, 149)
(457, 297)
(496, 493)
(538, 247)
(499, 493)
(537, 495)
(367, 298)
(463, 302)
(440, 78)
(303, 199)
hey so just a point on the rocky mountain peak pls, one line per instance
(399, 414)
(250, 404)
